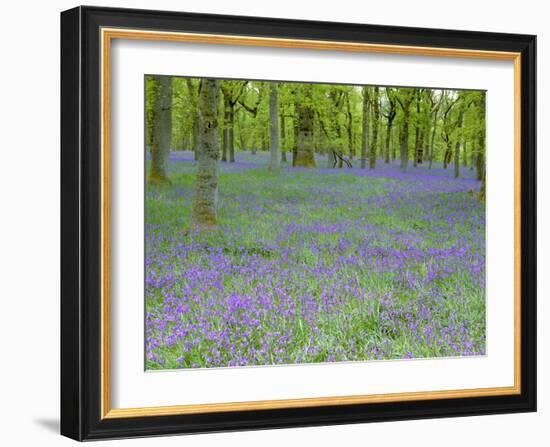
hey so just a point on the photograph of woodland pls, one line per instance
(290, 223)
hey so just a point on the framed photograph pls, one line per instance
(278, 223)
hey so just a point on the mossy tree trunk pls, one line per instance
(151, 110)
(206, 189)
(161, 129)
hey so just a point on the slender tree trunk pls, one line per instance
(350, 129)
(482, 190)
(365, 126)
(305, 144)
(387, 143)
(230, 133)
(206, 192)
(423, 145)
(393, 149)
(253, 150)
(225, 131)
(273, 128)
(404, 142)
(432, 142)
(416, 132)
(192, 95)
(283, 139)
(162, 130)
(480, 158)
(458, 145)
(375, 121)
(196, 138)
(457, 159)
(448, 154)
(340, 146)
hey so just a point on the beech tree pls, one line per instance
(405, 98)
(389, 114)
(206, 188)
(231, 93)
(365, 128)
(375, 124)
(161, 128)
(304, 129)
(273, 127)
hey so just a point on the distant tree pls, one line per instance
(405, 98)
(273, 127)
(449, 125)
(161, 128)
(389, 114)
(232, 91)
(192, 95)
(304, 128)
(206, 189)
(250, 101)
(375, 124)
(435, 104)
(365, 128)
(458, 141)
(419, 126)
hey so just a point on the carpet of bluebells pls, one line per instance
(318, 265)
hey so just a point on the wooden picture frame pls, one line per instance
(86, 36)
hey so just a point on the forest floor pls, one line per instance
(315, 265)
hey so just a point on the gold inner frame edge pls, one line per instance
(107, 35)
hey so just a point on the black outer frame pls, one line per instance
(80, 223)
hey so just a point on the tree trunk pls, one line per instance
(283, 139)
(365, 126)
(151, 112)
(230, 133)
(350, 129)
(253, 150)
(305, 144)
(482, 190)
(162, 130)
(448, 154)
(228, 150)
(480, 159)
(206, 192)
(192, 95)
(196, 138)
(432, 142)
(375, 120)
(388, 142)
(226, 107)
(394, 148)
(273, 128)
(458, 145)
(457, 159)
(404, 141)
